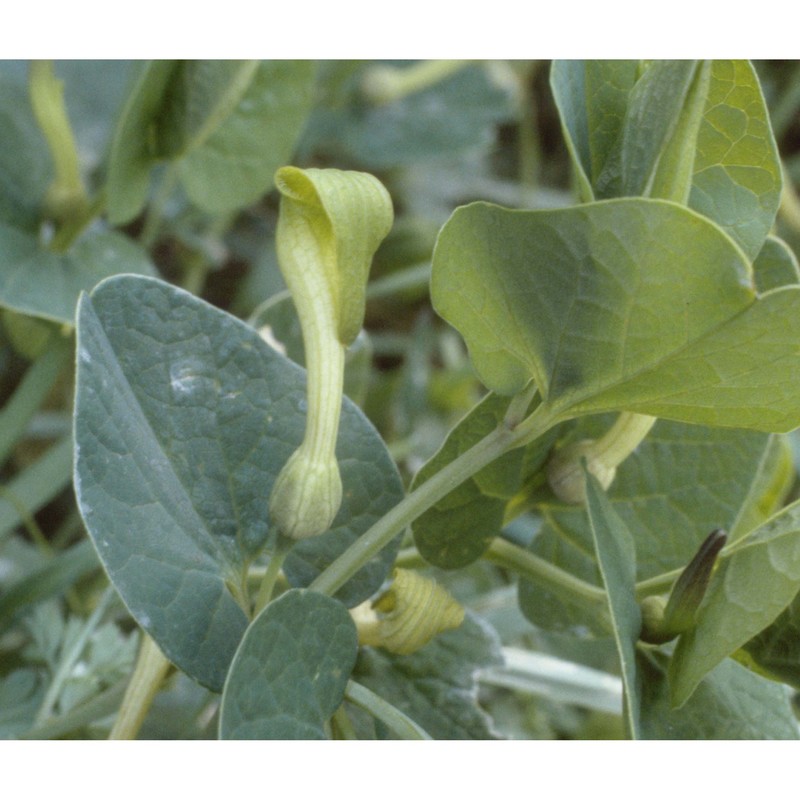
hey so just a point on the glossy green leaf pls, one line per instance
(45, 284)
(775, 266)
(436, 686)
(737, 169)
(134, 146)
(290, 671)
(616, 557)
(755, 581)
(682, 482)
(177, 503)
(583, 300)
(457, 530)
(731, 703)
(775, 651)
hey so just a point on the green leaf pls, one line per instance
(731, 703)
(412, 129)
(290, 671)
(26, 168)
(134, 145)
(184, 417)
(674, 126)
(680, 483)
(236, 163)
(583, 300)
(436, 686)
(228, 125)
(737, 170)
(775, 266)
(755, 581)
(591, 97)
(775, 651)
(616, 556)
(21, 693)
(46, 284)
(457, 530)
(655, 106)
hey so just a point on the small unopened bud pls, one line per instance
(306, 495)
(664, 620)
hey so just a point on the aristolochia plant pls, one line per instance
(306, 535)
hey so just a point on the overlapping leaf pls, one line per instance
(184, 417)
(228, 124)
(637, 305)
(754, 582)
(290, 671)
(680, 483)
(639, 131)
(46, 284)
(731, 703)
(436, 686)
(616, 557)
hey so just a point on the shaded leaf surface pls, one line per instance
(436, 686)
(46, 284)
(184, 417)
(290, 671)
(731, 703)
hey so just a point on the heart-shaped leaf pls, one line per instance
(184, 417)
(290, 671)
(584, 301)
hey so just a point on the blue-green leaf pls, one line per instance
(290, 671)
(184, 417)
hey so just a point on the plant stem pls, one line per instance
(69, 659)
(148, 675)
(513, 557)
(32, 391)
(343, 725)
(390, 716)
(155, 212)
(492, 446)
(388, 84)
(283, 545)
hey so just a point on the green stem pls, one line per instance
(283, 545)
(491, 447)
(70, 658)
(148, 675)
(523, 562)
(388, 84)
(343, 725)
(155, 211)
(73, 228)
(414, 278)
(32, 391)
(390, 716)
